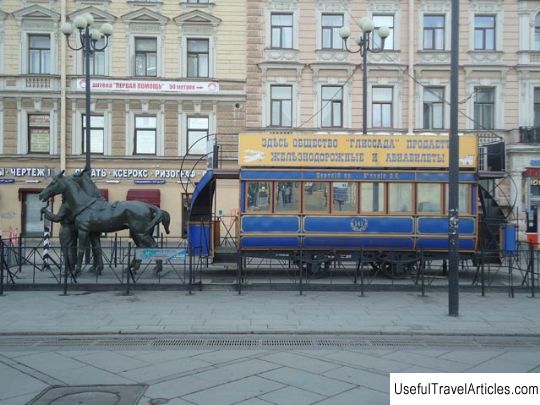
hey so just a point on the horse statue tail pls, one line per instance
(159, 216)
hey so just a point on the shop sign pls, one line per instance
(355, 150)
(535, 162)
(143, 173)
(149, 86)
(535, 182)
(531, 172)
(7, 181)
(26, 171)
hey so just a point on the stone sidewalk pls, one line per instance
(266, 312)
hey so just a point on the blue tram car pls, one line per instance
(324, 195)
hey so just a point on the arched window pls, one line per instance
(537, 32)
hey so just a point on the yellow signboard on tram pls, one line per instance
(353, 150)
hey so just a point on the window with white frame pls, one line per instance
(39, 133)
(434, 26)
(281, 106)
(145, 56)
(484, 108)
(197, 57)
(433, 108)
(197, 135)
(381, 104)
(281, 30)
(484, 32)
(383, 21)
(145, 135)
(39, 53)
(97, 132)
(332, 106)
(537, 32)
(537, 107)
(330, 26)
(97, 59)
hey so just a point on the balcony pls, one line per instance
(30, 83)
(529, 135)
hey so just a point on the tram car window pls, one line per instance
(400, 197)
(464, 199)
(344, 197)
(259, 196)
(429, 198)
(316, 197)
(372, 197)
(287, 196)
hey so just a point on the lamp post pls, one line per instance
(88, 37)
(365, 45)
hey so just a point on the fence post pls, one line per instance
(482, 273)
(128, 274)
(532, 265)
(1, 266)
(65, 276)
(301, 267)
(422, 269)
(19, 249)
(362, 272)
(115, 252)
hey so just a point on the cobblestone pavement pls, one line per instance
(328, 347)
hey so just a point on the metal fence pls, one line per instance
(27, 264)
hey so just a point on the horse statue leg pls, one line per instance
(97, 253)
(83, 237)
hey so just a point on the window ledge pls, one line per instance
(331, 55)
(485, 56)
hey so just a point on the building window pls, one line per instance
(331, 24)
(332, 106)
(259, 196)
(383, 21)
(39, 53)
(97, 60)
(344, 196)
(287, 196)
(39, 133)
(316, 197)
(197, 135)
(484, 32)
(537, 107)
(428, 197)
(197, 57)
(484, 108)
(433, 108)
(145, 57)
(281, 106)
(382, 107)
(537, 32)
(434, 32)
(282, 31)
(97, 131)
(145, 135)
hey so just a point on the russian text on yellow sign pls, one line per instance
(282, 150)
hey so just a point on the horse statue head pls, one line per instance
(55, 187)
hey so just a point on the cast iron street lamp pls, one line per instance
(88, 38)
(365, 45)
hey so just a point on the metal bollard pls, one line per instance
(128, 274)
(532, 264)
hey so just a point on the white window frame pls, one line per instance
(499, 102)
(268, 29)
(446, 32)
(182, 128)
(159, 61)
(211, 56)
(393, 31)
(22, 127)
(491, 8)
(52, 67)
(444, 84)
(77, 135)
(395, 83)
(130, 128)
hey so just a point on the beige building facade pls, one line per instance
(169, 85)
(300, 77)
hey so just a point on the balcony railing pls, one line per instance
(529, 134)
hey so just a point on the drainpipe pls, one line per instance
(411, 99)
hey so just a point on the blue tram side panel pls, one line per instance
(322, 192)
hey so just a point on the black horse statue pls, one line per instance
(68, 230)
(93, 215)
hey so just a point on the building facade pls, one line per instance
(169, 85)
(301, 77)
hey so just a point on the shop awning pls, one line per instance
(149, 196)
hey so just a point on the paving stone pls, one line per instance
(292, 396)
(357, 396)
(164, 369)
(307, 381)
(236, 371)
(110, 361)
(300, 362)
(14, 383)
(90, 395)
(379, 382)
(368, 362)
(427, 361)
(234, 392)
